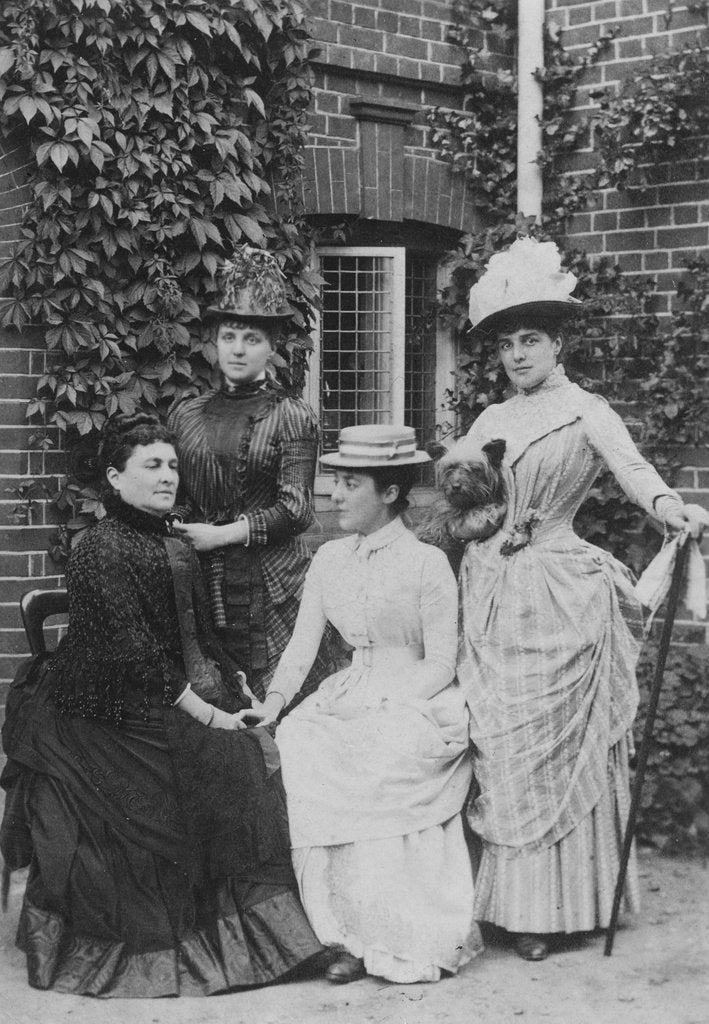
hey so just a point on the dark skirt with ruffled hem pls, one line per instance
(258, 945)
(158, 851)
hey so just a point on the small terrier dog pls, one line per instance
(473, 503)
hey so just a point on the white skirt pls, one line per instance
(403, 904)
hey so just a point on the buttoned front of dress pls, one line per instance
(366, 730)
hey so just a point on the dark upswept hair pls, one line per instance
(122, 434)
(403, 477)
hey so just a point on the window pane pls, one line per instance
(356, 343)
(420, 353)
(420, 359)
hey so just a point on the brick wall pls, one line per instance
(380, 56)
(24, 562)
(651, 231)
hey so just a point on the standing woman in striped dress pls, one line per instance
(550, 625)
(247, 464)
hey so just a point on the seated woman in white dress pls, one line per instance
(375, 763)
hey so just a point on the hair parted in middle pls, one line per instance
(122, 434)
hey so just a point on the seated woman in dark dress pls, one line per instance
(155, 832)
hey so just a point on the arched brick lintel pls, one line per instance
(337, 180)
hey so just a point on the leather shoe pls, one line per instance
(345, 969)
(531, 947)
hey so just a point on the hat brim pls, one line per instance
(546, 309)
(351, 462)
(216, 312)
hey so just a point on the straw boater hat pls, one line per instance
(375, 446)
(252, 288)
(524, 280)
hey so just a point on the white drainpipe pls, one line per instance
(530, 37)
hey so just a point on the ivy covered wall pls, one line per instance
(142, 140)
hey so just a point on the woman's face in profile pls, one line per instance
(528, 355)
(148, 481)
(243, 352)
(361, 507)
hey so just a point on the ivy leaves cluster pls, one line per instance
(676, 789)
(658, 113)
(480, 141)
(163, 133)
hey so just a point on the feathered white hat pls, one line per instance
(524, 280)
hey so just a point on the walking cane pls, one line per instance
(672, 600)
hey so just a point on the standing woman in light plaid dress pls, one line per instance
(550, 625)
(247, 456)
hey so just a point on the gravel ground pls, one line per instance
(658, 974)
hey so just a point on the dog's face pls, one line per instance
(473, 502)
(472, 483)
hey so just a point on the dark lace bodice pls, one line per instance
(123, 645)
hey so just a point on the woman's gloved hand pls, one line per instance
(677, 517)
(697, 519)
(262, 713)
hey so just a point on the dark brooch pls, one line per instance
(520, 534)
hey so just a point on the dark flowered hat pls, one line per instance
(251, 286)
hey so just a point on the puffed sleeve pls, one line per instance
(609, 437)
(298, 657)
(292, 512)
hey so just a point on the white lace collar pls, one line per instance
(528, 416)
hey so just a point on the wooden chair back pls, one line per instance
(35, 607)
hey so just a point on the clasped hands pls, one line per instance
(259, 714)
